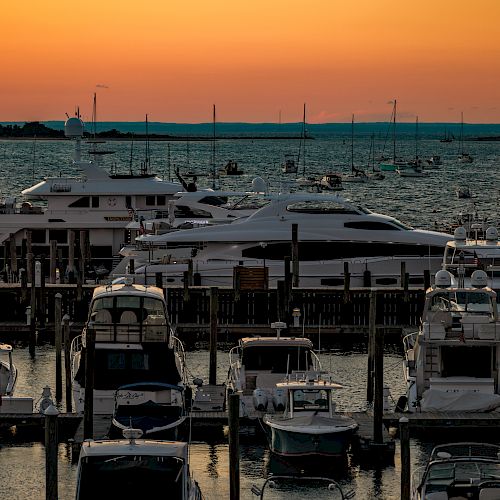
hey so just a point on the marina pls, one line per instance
(354, 324)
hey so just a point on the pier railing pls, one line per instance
(191, 305)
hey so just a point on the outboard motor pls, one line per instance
(260, 399)
(279, 399)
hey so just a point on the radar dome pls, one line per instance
(479, 279)
(460, 233)
(73, 127)
(259, 185)
(443, 279)
(492, 234)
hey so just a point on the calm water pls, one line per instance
(422, 202)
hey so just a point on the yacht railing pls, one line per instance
(467, 328)
(234, 373)
(176, 344)
(130, 333)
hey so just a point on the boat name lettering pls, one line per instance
(130, 395)
(118, 218)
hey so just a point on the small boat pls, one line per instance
(375, 174)
(331, 182)
(463, 192)
(133, 468)
(257, 364)
(157, 409)
(447, 137)
(433, 161)
(356, 175)
(309, 425)
(459, 470)
(231, 168)
(289, 166)
(8, 371)
(412, 171)
(392, 164)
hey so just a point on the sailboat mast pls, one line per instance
(416, 139)
(213, 149)
(352, 143)
(146, 163)
(304, 142)
(94, 116)
(462, 134)
(394, 134)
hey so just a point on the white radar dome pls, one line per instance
(443, 279)
(479, 279)
(492, 234)
(73, 127)
(259, 185)
(460, 234)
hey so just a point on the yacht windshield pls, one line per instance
(277, 359)
(130, 477)
(310, 399)
(136, 308)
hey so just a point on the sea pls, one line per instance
(429, 202)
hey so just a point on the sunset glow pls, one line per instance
(174, 59)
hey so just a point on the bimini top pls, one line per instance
(275, 341)
(125, 289)
(134, 447)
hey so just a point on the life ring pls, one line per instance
(111, 201)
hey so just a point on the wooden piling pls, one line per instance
(131, 267)
(295, 255)
(13, 254)
(58, 344)
(53, 260)
(234, 446)
(185, 295)
(403, 274)
(88, 415)
(371, 347)
(404, 438)
(70, 270)
(32, 339)
(427, 279)
(29, 254)
(83, 254)
(367, 278)
(280, 284)
(378, 406)
(159, 280)
(347, 282)
(190, 272)
(43, 298)
(214, 306)
(67, 363)
(51, 444)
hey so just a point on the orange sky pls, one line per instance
(173, 59)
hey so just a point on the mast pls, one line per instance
(304, 142)
(94, 116)
(394, 134)
(416, 139)
(131, 154)
(168, 160)
(34, 157)
(462, 134)
(213, 149)
(145, 165)
(352, 144)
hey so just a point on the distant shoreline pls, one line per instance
(166, 138)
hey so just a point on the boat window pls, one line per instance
(276, 359)
(215, 201)
(321, 207)
(130, 477)
(161, 199)
(466, 361)
(310, 399)
(150, 200)
(114, 368)
(371, 225)
(60, 235)
(331, 250)
(141, 307)
(95, 201)
(83, 202)
(38, 235)
(185, 212)
(128, 201)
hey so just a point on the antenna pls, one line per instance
(131, 154)
(213, 150)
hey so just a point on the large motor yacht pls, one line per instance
(96, 201)
(331, 231)
(451, 363)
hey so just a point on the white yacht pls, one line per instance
(463, 255)
(96, 201)
(331, 231)
(134, 468)
(257, 364)
(134, 344)
(451, 363)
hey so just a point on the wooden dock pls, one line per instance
(446, 420)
